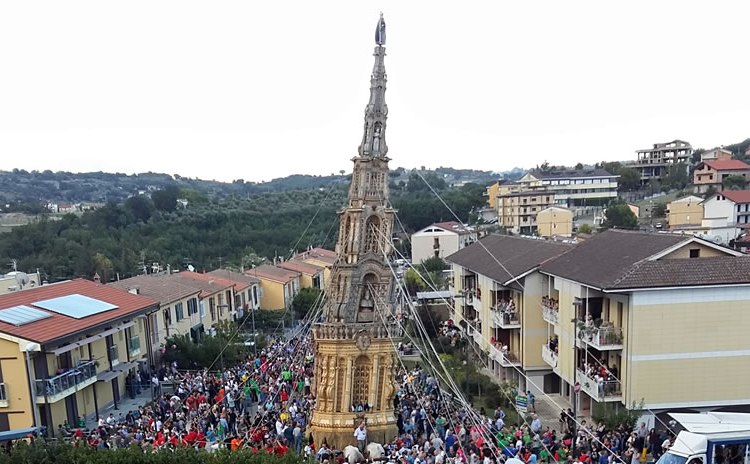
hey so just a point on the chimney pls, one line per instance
(97, 278)
(134, 291)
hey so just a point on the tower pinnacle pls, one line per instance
(376, 112)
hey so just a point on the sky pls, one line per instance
(257, 90)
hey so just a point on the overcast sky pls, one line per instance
(257, 90)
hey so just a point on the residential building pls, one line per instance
(279, 286)
(311, 275)
(16, 280)
(573, 188)
(516, 211)
(498, 290)
(725, 214)
(712, 173)
(554, 221)
(718, 153)
(441, 239)
(178, 305)
(685, 212)
(215, 300)
(247, 289)
(66, 350)
(632, 314)
(653, 163)
(498, 188)
(319, 257)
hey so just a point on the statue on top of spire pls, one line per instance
(380, 31)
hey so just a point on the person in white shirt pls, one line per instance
(360, 434)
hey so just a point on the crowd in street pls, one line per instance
(264, 404)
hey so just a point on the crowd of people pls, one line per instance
(265, 403)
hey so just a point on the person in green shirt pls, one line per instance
(544, 455)
(301, 386)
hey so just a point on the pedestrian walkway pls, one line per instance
(123, 406)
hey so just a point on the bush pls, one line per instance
(613, 415)
(225, 348)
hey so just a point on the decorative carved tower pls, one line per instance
(355, 361)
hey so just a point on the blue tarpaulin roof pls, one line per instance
(17, 433)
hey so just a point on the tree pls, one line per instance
(620, 216)
(584, 229)
(305, 300)
(579, 166)
(140, 207)
(659, 210)
(103, 266)
(734, 183)
(434, 264)
(166, 199)
(630, 179)
(413, 282)
(676, 178)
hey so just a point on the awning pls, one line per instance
(439, 295)
(125, 366)
(93, 338)
(18, 433)
(106, 376)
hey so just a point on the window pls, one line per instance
(192, 306)
(167, 316)
(178, 312)
(695, 252)
(203, 309)
(212, 308)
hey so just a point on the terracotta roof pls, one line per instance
(727, 165)
(161, 287)
(301, 267)
(59, 326)
(274, 273)
(207, 287)
(605, 258)
(453, 226)
(223, 281)
(518, 255)
(687, 272)
(235, 276)
(737, 196)
(320, 254)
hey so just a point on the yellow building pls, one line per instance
(319, 257)
(516, 211)
(498, 304)
(634, 314)
(278, 286)
(685, 212)
(554, 222)
(246, 289)
(215, 300)
(311, 276)
(66, 350)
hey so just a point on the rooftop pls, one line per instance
(737, 196)
(235, 277)
(215, 279)
(58, 326)
(453, 226)
(504, 257)
(300, 266)
(570, 173)
(273, 273)
(320, 254)
(726, 165)
(207, 287)
(161, 287)
(687, 272)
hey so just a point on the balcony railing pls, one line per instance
(550, 357)
(550, 311)
(505, 316)
(505, 358)
(602, 338)
(135, 345)
(60, 386)
(604, 390)
(114, 354)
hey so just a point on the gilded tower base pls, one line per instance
(355, 365)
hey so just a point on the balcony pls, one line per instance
(604, 391)
(602, 338)
(3, 395)
(58, 387)
(550, 311)
(505, 317)
(505, 358)
(113, 355)
(550, 357)
(134, 348)
(471, 299)
(474, 329)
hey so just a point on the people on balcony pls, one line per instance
(551, 303)
(552, 344)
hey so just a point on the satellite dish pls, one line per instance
(22, 278)
(191, 268)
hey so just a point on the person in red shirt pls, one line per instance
(280, 449)
(284, 395)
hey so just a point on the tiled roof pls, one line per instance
(300, 266)
(517, 255)
(607, 257)
(453, 226)
(274, 273)
(318, 254)
(727, 165)
(206, 287)
(162, 287)
(737, 196)
(687, 272)
(58, 326)
(235, 276)
(213, 278)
